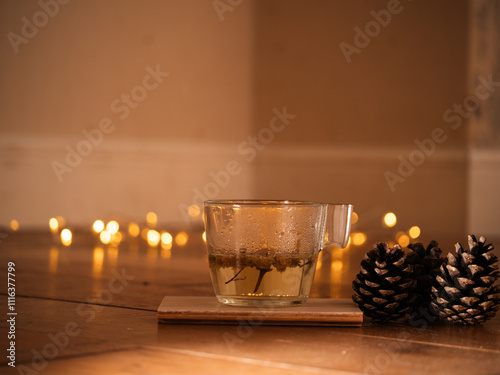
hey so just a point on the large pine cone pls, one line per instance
(384, 289)
(467, 294)
(426, 263)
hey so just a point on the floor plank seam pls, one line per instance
(82, 355)
(252, 361)
(454, 346)
(84, 302)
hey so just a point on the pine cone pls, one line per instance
(425, 263)
(384, 287)
(467, 294)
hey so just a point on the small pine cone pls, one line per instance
(466, 293)
(426, 263)
(384, 287)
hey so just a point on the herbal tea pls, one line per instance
(264, 252)
(262, 277)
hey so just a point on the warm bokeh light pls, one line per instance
(53, 224)
(152, 253)
(112, 227)
(98, 226)
(116, 238)
(98, 260)
(194, 210)
(414, 232)
(66, 237)
(144, 233)
(112, 256)
(181, 238)
(134, 230)
(62, 221)
(337, 266)
(354, 218)
(204, 236)
(358, 238)
(336, 276)
(166, 253)
(53, 259)
(151, 219)
(105, 237)
(319, 263)
(390, 219)
(166, 238)
(166, 246)
(403, 240)
(14, 225)
(153, 238)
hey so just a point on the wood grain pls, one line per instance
(143, 361)
(121, 335)
(207, 310)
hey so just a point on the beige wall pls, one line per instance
(92, 52)
(66, 79)
(355, 119)
(228, 76)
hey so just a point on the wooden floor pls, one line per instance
(91, 309)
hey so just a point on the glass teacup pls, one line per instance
(264, 253)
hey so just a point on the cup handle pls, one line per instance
(338, 224)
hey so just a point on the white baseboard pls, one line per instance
(125, 180)
(484, 193)
(432, 197)
(118, 179)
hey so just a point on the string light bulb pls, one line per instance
(134, 230)
(53, 224)
(152, 219)
(358, 238)
(414, 232)
(390, 219)
(98, 226)
(181, 238)
(66, 237)
(166, 238)
(105, 237)
(14, 225)
(354, 218)
(112, 227)
(194, 211)
(403, 240)
(116, 238)
(153, 238)
(61, 220)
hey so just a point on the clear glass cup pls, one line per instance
(264, 253)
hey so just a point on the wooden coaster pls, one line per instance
(207, 310)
